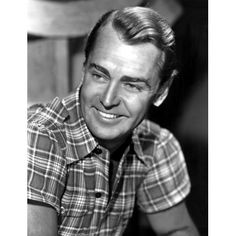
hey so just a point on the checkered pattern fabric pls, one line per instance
(68, 170)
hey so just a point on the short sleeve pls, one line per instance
(46, 167)
(167, 181)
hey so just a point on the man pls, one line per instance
(93, 154)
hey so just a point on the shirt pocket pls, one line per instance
(77, 204)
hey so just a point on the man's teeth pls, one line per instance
(107, 116)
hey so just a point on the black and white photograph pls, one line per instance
(117, 117)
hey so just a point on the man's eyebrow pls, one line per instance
(124, 78)
(99, 68)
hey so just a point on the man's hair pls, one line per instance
(138, 25)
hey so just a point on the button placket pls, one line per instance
(120, 170)
(101, 175)
(117, 179)
(89, 177)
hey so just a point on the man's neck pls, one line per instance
(116, 147)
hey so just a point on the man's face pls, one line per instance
(120, 81)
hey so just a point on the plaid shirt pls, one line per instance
(68, 170)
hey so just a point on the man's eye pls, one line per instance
(98, 77)
(133, 87)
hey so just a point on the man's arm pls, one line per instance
(173, 222)
(42, 220)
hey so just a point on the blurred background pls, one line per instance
(57, 31)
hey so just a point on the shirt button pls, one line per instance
(98, 195)
(98, 151)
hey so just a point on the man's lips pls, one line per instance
(108, 115)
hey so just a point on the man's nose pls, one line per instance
(110, 97)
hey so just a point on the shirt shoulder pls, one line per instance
(48, 120)
(155, 142)
(53, 113)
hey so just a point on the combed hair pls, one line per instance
(138, 25)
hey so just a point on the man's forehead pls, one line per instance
(110, 39)
(109, 36)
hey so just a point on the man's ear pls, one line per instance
(82, 77)
(160, 98)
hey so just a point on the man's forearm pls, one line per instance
(186, 231)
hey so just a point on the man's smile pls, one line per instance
(107, 116)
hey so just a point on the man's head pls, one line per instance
(122, 72)
(137, 25)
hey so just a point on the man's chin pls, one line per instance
(109, 136)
